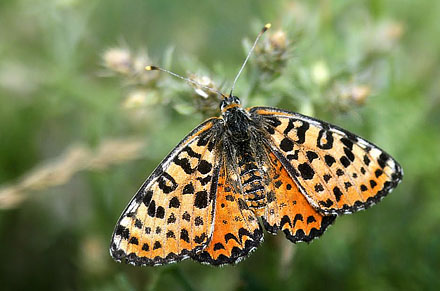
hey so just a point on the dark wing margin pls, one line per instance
(170, 217)
(337, 171)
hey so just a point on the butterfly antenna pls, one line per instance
(156, 68)
(266, 27)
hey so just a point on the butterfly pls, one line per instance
(243, 172)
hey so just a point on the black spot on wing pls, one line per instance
(349, 154)
(174, 203)
(325, 139)
(167, 183)
(186, 216)
(290, 126)
(311, 155)
(204, 181)
(191, 153)
(294, 156)
(327, 203)
(219, 246)
(319, 188)
(201, 199)
(184, 164)
(123, 232)
(382, 160)
(286, 145)
(184, 235)
(188, 189)
(329, 160)
(301, 132)
(311, 219)
(229, 236)
(157, 245)
(378, 173)
(337, 192)
(160, 212)
(147, 198)
(347, 185)
(198, 221)
(171, 218)
(366, 160)
(348, 143)
(345, 161)
(201, 238)
(204, 167)
(152, 209)
(138, 224)
(306, 171)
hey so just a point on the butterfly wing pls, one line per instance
(287, 208)
(171, 215)
(237, 231)
(337, 171)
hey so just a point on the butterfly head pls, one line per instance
(229, 102)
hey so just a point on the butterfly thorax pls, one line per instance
(244, 148)
(236, 119)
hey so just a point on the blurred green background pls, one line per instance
(81, 126)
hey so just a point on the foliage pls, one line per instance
(82, 124)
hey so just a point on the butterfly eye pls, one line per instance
(236, 100)
(223, 104)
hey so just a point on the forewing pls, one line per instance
(171, 215)
(236, 228)
(337, 171)
(287, 208)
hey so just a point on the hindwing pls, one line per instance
(236, 232)
(287, 208)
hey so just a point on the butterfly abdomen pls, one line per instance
(252, 183)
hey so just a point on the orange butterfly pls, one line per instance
(294, 172)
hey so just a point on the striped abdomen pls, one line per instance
(252, 183)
